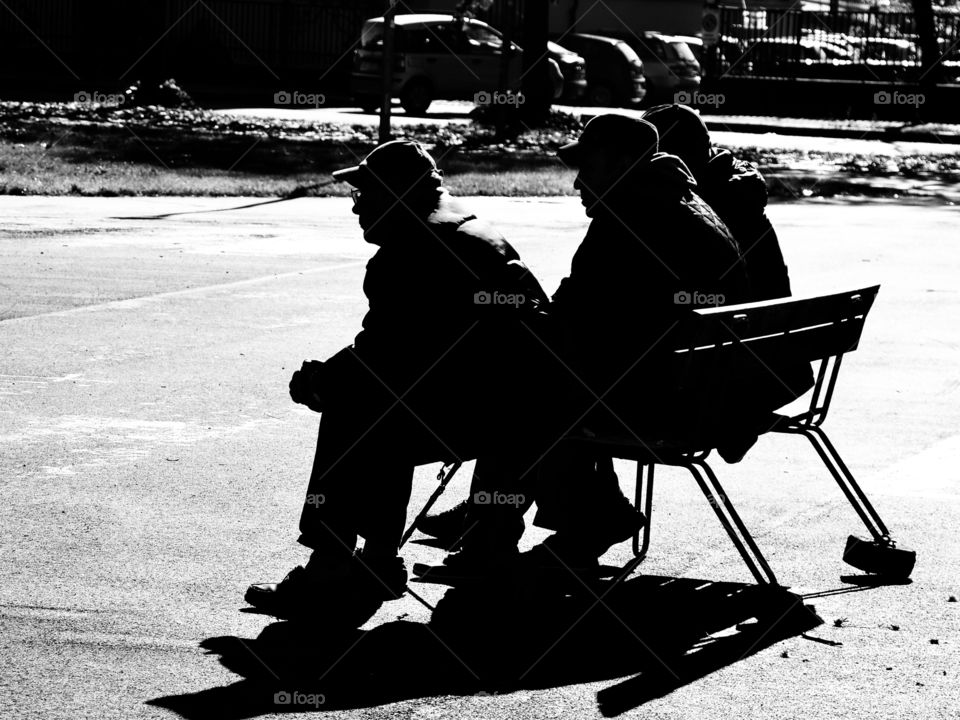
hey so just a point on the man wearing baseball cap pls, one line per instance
(424, 380)
(651, 241)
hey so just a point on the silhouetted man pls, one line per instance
(421, 382)
(738, 194)
(735, 190)
(654, 250)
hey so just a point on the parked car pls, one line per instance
(695, 44)
(887, 50)
(437, 56)
(573, 68)
(668, 62)
(614, 72)
(784, 57)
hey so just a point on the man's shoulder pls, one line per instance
(469, 233)
(698, 209)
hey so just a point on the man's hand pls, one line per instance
(305, 385)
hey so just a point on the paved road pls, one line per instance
(152, 466)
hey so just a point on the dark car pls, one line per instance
(668, 63)
(614, 72)
(573, 69)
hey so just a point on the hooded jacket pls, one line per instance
(737, 192)
(653, 251)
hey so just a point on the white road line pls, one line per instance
(134, 301)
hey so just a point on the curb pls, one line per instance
(892, 134)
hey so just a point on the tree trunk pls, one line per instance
(537, 88)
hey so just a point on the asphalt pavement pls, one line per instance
(153, 466)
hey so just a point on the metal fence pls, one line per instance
(847, 45)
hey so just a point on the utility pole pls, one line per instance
(926, 24)
(388, 56)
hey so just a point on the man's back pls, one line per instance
(738, 194)
(638, 272)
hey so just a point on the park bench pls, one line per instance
(717, 354)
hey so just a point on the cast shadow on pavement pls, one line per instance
(659, 633)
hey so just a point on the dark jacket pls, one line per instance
(448, 297)
(738, 194)
(653, 254)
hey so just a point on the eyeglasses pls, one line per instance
(355, 194)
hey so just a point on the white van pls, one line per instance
(437, 57)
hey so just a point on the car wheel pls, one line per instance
(600, 95)
(368, 103)
(416, 97)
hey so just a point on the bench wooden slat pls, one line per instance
(752, 320)
(807, 344)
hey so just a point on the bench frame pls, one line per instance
(833, 325)
(815, 329)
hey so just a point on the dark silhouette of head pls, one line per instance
(398, 179)
(610, 155)
(682, 133)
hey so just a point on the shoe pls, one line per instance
(623, 523)
(556, 554)
(306, 591)
(578, 549)
(447, 526)
(469, 566)
(385, 578)
(291, 597)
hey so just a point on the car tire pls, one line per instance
(601, 95)
(368, 103)
(416, 97)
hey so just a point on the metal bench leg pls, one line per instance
(641, 540)
(841, 473)
(444, 478)
(741, 537)
(644, 494)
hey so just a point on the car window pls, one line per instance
(418, 40)
(482, 38)
(645, 48)
(658, 47)
(441, 37)
(371, 36)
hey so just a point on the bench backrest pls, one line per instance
(801, 328)
(728, 357)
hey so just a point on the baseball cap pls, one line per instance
(398, 164)
(630, 136)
